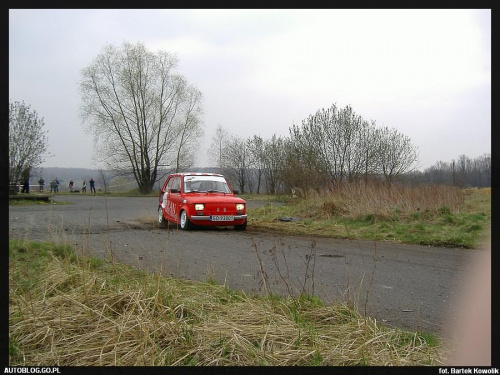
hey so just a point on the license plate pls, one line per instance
(222, 218)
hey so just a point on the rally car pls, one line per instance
(200, 199)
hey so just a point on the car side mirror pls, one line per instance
(236, 191)
(173, 191)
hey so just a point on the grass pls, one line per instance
(266, 197)
(69, 310)
(25, 202)
(428, 215)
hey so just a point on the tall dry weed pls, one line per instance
(390, 201)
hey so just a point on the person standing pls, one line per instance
(92, 185)
(71, 186)
(84, 187)
(25, 178)
(52, 183)
(56, 185)
(41, 184)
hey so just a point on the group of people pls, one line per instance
(54, 184)
(84, 186)
(92, 186)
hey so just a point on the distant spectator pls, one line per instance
(52, 183)
(25, 179)
(84, 187)
(92, 185)
(26, 185)
(41, 184)
(56, 185)
(71, 183)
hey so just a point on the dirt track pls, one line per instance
(403, 285)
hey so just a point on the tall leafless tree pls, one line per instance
(190, 130)
(218, 148)
(142, 114)
(273, 163)
(238, 162)
(255, 146)
(28, 140)
(232, 157)
(302, 166)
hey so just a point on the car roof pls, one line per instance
(195, 174)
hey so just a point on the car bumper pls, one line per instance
(207, 218)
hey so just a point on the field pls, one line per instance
(67, 309)
(427, 215)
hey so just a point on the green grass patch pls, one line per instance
(25, 202)
(444, 216)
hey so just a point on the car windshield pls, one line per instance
(210, 184)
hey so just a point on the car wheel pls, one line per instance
(162, 222)
(241, 226)
(184, 221)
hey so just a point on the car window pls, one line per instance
(216, 184)
(169, 184)
(177, 183)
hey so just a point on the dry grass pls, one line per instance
(84, 312)
(357, 199)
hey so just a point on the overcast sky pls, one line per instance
(426, 73)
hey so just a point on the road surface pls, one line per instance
(408, 286)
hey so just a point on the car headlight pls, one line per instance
(199, 207)
(240, 206)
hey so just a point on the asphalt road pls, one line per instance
(412, 287)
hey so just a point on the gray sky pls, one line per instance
(426, 73)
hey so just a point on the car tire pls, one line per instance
(162, 222)
(184, 222)
(241, 226)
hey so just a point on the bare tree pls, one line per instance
(469, 172)
(462, 172)
(190, 130)
(342, 146)
(439, 173)
(395, 153)
(483, 166)
(27, 140)
(142, 114)
(341, 140)
(231, 156)
(255, 146)
(218, 148)
(238, 162)
(103, 179)
(273, 162)
(301, 166)
(368, 147)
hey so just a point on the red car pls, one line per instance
(204, 199)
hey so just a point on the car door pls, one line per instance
(164, 197)
(172, 198)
